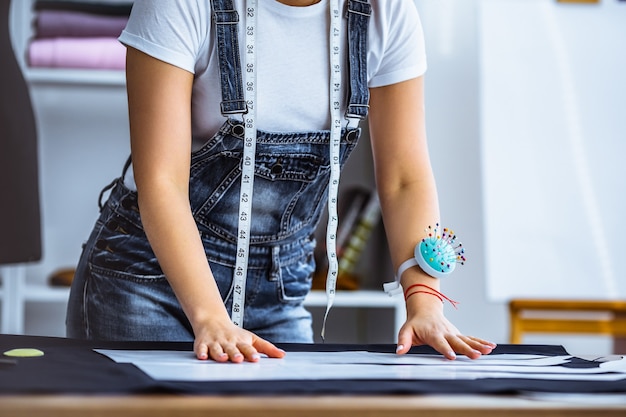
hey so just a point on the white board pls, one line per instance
(553, 115)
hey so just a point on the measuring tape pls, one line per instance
(248, 163)
(247, 168)
(335, 144)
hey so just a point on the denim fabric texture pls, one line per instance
(119, 290)
(226, 21)
(358, 13)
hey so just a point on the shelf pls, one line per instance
(69, 76)
(351, 299)
(43, 293)
(357, 299)
(360, 298)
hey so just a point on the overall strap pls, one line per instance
(226, 20)
(358, 14)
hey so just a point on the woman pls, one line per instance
(168, 274)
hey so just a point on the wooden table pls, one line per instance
(299, 406)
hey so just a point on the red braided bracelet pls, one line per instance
(431, 292)
(424, 292)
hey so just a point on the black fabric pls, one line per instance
(71, 366)
(103, 8)
(68, 366)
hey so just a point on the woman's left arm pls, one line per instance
(409, 202)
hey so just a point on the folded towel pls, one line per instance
(61, 23)
(92, 53)
(116, 8)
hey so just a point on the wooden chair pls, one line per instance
(599, 317)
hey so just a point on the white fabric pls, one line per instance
(292, 56)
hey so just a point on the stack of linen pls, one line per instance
(79, 34)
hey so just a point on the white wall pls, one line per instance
(553, 144)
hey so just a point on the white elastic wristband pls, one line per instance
(392, 288)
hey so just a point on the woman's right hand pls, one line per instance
(223, 341)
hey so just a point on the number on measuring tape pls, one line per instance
(247, 169)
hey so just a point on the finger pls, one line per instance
(464, 346)
(480, 345)
(202, 351)
(267, 348)
(405, 341)
(250, 354)
(234, 355)
(483, 342)
(217, 353)
(442, 346)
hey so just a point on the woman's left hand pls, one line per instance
(427, 325)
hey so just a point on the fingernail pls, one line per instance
(203, 356)
(399, 348)
(452, 354)
(256, 356)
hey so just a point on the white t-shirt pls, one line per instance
(292, 56)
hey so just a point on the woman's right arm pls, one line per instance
(159, 103)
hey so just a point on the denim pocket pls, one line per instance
(125, 306)
(122, 246)
(295, 280)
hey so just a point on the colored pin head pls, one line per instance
(439, 253)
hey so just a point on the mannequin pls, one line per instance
(20, 222)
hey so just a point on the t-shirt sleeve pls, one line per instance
(397, 50)
(171, 31)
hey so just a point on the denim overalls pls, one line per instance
(119, 291)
